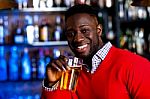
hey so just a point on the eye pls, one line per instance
(85, 31)
(70, 34)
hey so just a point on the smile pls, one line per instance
(81, 47)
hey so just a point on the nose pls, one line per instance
(78, 37)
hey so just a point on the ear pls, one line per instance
(99, 30)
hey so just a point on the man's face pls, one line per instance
(83, 34)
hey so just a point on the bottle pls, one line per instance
(101, 3)
(108, 3)
(42, 4)
(34, 67)
(57, 3)
(67, 3)
(110, 35)
(140, 42)
(29, 30)
(18, 33)
(13, 64)
(1, 31)
(56, 53)
(25, 3)
(36, 28)
(44, 31)
(121, 11)
(20, 4)
(6, 30)
(58, 29)
(130, 40)
(49, 3)
(3, 66)
(36, 4)
(47, 56)
(142, 14)
(25, 65)
(41, 66)
(57, 33)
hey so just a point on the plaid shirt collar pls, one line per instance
(100, 56)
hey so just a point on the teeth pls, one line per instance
(81, 47)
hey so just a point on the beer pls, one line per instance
(69, 78)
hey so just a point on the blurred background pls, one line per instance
(32, 34)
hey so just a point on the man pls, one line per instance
(109, 73)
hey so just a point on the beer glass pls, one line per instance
(69, 78)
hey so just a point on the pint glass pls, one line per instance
(69, 78)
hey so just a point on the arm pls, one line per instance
(139, 80)
(50, 85)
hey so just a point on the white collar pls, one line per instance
(100, 56)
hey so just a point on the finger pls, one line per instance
(52, 66)
(64, 60)
(56, 66)
(60, 65)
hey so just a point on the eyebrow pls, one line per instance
(80, 26)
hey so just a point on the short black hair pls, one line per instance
(82, 8)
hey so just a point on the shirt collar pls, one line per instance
(100, 56)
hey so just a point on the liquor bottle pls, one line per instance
(18, 33)
(57, 33)
(101, 3)
(49, 3)
(34, 66)
(36, 28)
(56, 53)
(41, 66)
(28, 30)
(6, 29)
(67, 3)
(13, 64)
(20, 4)
(121, 12)
(47, 56)
(142, 14)
(25, 3)
(42, 4)
(140, 42)
(44, 31)
(110, 35)
(130, 40)
(129, 9)
(58, 3)
(109, 3)
(1, 31)
(25, 65)
(58, 29)
(3, 66)
(36, 3)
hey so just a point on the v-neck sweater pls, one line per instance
(121, 75)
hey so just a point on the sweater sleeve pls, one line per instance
(139, 79)
(58, 94)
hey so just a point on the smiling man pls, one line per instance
(108, 73)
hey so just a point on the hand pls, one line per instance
(55, 68)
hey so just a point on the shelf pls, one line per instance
(38, 44)
(53, 9)
(51, 43)
(12, 90)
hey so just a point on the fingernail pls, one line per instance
(63, 68)
(58, 69)
(68, 68)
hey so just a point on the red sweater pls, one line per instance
(121, 75)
